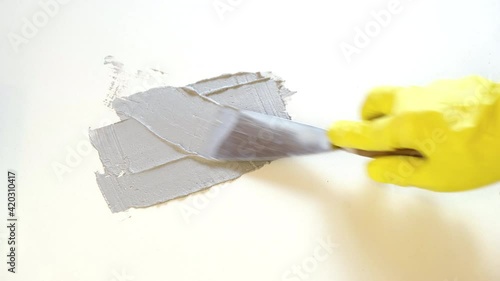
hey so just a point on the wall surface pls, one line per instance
(308, 218)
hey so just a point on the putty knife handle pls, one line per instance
(396, 152)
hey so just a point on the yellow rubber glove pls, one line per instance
(454, 124)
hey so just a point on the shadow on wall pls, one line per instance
(384, 241)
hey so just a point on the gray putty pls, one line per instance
(142, 169)
(186, 119)
(212, 85)
(128, 146)
(167, 182)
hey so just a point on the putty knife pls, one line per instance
(241, 135)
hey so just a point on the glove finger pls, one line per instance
(363, 135)
(412, 171)
(379, 102)
(383, 134)
(398, 170)
(411, 130)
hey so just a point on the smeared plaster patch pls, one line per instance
(168, 181)
(128, 146)
(146, 164)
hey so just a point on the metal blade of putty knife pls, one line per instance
(246, 135)
(241, 135)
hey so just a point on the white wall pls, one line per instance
(268, 224)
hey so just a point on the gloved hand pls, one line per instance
(454, 124)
